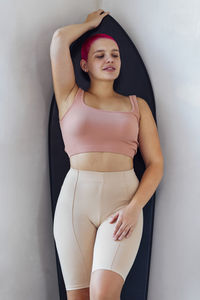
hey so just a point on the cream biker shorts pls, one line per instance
(81, 228)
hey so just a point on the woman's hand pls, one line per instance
(126, 218)
(95, 18)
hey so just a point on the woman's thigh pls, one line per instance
(116, 255)
(110, 254)
(74, 234)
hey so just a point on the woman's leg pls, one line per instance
(113, 259)
(74, 235)
(79, 294)
(105, 284)
(116, 256)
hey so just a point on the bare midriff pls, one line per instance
(101, 161)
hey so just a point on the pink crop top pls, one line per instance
(88, 129)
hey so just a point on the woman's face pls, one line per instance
(103, 52)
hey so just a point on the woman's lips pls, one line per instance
(109, 69)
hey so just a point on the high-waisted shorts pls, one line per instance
(81, 227)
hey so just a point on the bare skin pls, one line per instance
(104, 284)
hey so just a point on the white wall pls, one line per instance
(167, 35)
(27, 256)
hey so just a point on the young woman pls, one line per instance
(98, 221)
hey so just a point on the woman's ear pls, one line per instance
(83, 65)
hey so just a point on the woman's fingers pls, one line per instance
(95, 18)
(129, 233)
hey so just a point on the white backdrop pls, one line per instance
(167, 35)
(27, 254)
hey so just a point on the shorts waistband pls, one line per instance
(102, 174)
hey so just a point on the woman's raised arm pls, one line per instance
(61, 62)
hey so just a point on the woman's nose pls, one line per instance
(109, 59)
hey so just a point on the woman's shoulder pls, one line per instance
(140, 100)
(143, 106)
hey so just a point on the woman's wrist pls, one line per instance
(72, 32)
(89, 25)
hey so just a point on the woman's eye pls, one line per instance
(103, 56)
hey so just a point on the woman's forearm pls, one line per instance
(72, 32)
(148, 185)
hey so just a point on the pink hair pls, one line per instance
(87, 43)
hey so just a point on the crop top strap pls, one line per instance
(78, 95)
(135, 105)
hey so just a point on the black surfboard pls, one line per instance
(133, 79)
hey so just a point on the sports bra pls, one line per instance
(88, 129)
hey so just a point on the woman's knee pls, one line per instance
(105, 285)
(79, 294)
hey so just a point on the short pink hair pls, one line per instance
(87, 43)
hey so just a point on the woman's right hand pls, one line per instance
(95, 18)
